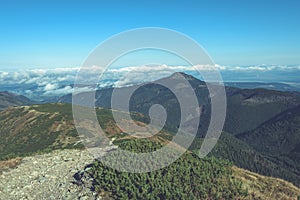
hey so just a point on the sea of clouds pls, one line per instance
(42, 83)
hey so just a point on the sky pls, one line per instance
(52, 34)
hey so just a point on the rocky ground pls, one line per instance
(48, 176)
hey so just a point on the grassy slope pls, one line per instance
(263, 187)
(28, 129)
(25, 130)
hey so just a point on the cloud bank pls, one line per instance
(59, 81)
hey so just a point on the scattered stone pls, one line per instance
(56, 175)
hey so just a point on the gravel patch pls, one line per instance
(48, 176)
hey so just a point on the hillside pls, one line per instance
(263, 187)
(245, 156)
(28, 129)
(8, 99)
(43, 128)
(279, 139)
(279, 135)
(202, 179)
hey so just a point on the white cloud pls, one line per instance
(50, 87)
(59, 81)
(61, 91)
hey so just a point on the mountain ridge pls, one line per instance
(246, 108)
(8, 99)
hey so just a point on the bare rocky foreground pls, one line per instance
(47, 176)
(51, 176)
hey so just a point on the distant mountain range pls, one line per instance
(11, 99)
(265, 85)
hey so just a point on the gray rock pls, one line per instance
(50, 176)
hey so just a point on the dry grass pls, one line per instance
(9, 164)
(262, 187)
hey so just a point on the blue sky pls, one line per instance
(54, 34)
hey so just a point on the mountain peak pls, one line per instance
(178, 75)
(188, 77)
